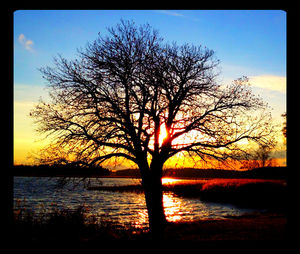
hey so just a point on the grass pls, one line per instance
(72, 226)
(67, 226)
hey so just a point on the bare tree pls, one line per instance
(261, 157)
(284, 125)
(113, 99)
(264, 156)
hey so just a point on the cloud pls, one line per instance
(270, 82)
(177, 14)
(26, 43)
(171, 13)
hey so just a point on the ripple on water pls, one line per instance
(41, 194)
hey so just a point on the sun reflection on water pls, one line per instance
(167, 180)
(172, 207)
(142, 218)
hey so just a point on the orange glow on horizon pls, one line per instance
(27, 142)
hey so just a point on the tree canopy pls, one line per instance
(114, 98)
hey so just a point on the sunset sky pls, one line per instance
(248, 43)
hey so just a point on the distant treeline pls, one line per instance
(58, 170)
(66, 170)
(261, 173)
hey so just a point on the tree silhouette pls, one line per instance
(284, 125)
(113, 99)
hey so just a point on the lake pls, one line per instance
(42, 194)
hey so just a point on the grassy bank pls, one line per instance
(252, 193)
(258, 193)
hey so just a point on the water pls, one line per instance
(127, 208)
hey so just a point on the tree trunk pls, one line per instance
(154, 201)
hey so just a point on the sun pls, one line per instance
(184, 139)
(163, 134)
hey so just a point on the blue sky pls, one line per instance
(253, 40)
(247, 42)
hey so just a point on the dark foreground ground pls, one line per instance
(251, 227)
